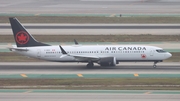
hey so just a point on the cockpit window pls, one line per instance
(160, 51)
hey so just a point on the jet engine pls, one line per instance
(107, 61)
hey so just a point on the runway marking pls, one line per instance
(114, 43)
(37, 14)
(9, 45)
(136, 75)
(63, 43)
(28, 91)
(80, 75)
(112, 15)
(147, 93)
(24, 75)
(136, 3)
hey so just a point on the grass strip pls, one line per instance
(98, 38)
(91, 19)
(94, 83)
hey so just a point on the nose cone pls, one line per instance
(169, 55)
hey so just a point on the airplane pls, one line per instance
(104, 55)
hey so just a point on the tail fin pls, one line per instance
(21, 36)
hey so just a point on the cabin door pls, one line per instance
(151, 52)
(39, 53)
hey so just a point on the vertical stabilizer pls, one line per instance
(21, 36)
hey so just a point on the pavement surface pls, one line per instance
(112, 7)
(96, 29)
(57, 76)
(164, 69)
(88, 95)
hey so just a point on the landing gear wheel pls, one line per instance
(90, 65)
(154, 66)
(155, 62)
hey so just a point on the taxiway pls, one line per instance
(88, 95)
(76, 68)
(90, 6)
(96, 29)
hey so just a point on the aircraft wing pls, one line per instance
(78, 56)
(85, 56)
(82, 57)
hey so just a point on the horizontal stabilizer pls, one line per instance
(18, 49)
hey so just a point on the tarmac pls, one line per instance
(99, 8)
(88, 95)
(72, 70)
(96, 29)
(112, 7)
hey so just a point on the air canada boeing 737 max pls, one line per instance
(104, 55)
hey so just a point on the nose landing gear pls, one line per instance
(155, 62)
(154, 66)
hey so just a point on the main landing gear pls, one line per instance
(90, 65)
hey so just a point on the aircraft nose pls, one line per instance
(169, 55)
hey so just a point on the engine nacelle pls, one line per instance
(107, 61)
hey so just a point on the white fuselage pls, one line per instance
(120, 52)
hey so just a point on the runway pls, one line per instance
(96, 29)
(96, 26)
(80, 68)
(88, 95)
(112, 8)
(91, 6)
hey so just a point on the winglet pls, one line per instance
(62, 50)
(76, 43)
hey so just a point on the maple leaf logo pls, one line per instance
(22, 37)
(143, 55)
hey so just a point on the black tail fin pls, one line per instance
(21, 36)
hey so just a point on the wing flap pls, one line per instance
(85, 56)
